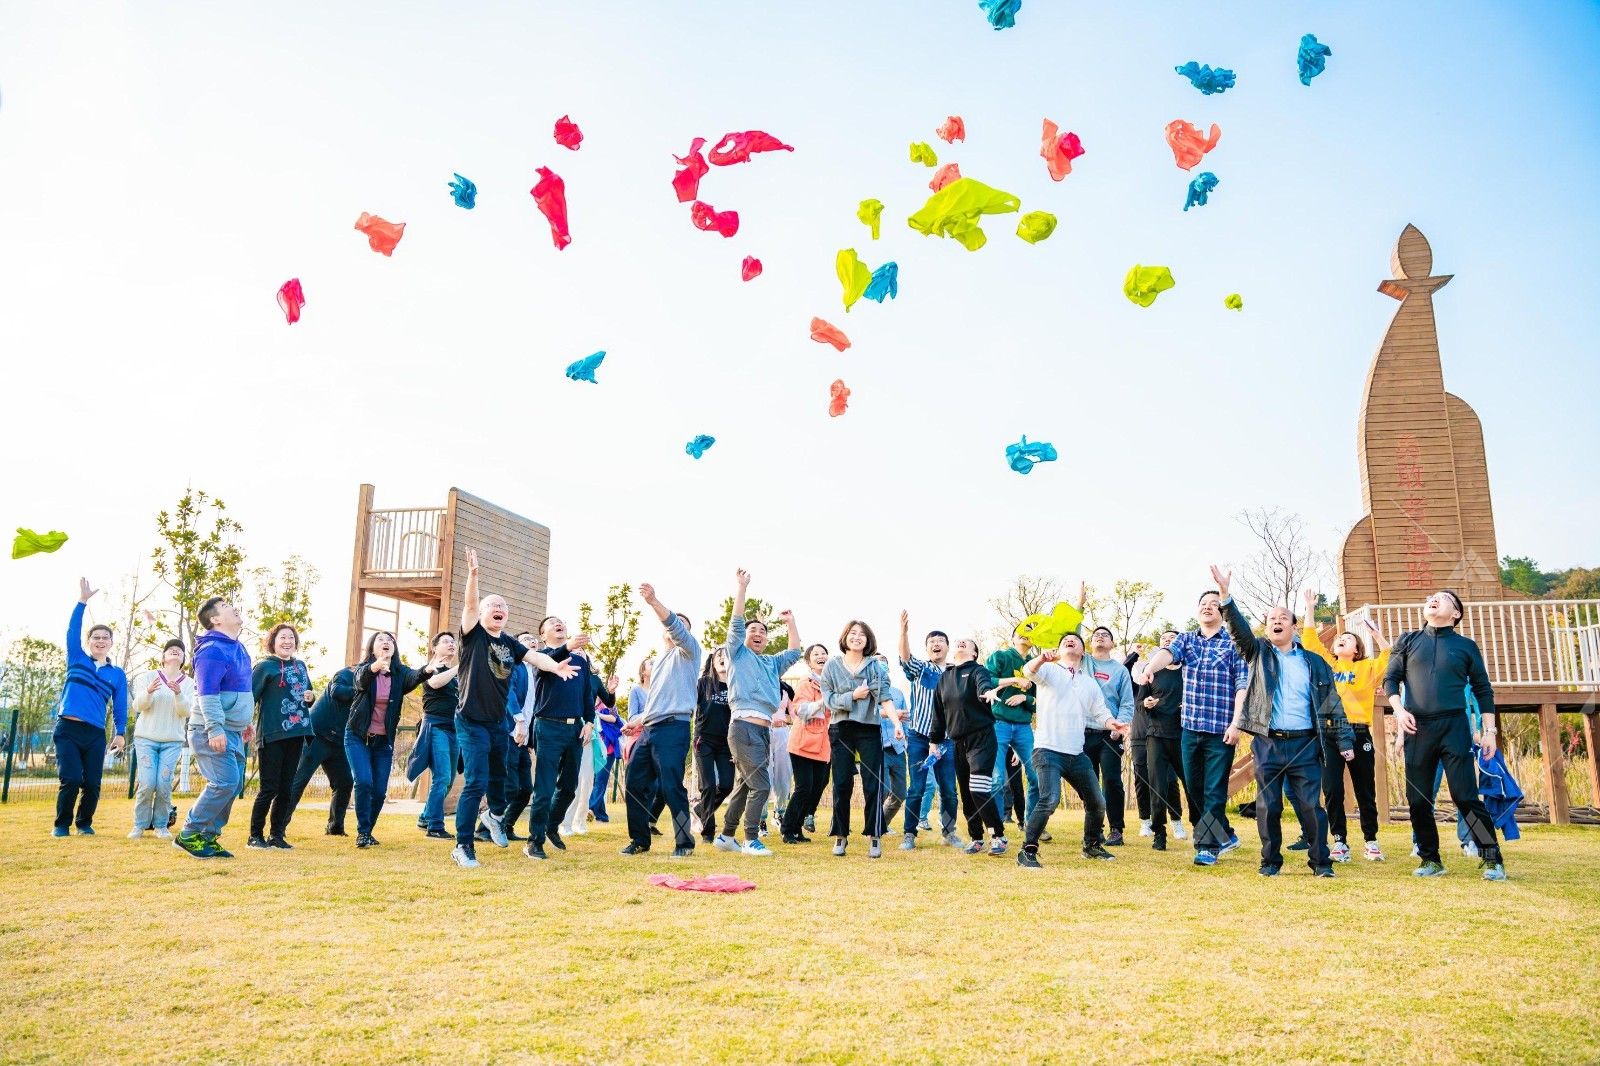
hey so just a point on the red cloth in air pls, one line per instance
(551, 196)
(738, 147)
(709, 218)
(686, 182)
(382, 235)
(750, 268)
(824, 332)
(840, 398)
(568, 135)
(291, 299)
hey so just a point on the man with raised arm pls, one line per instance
(962, 712)
(754, 692)
(558, 720)
(1215, 678)
(655, 766)
(94, 684)
(1293, 710)
(487, 655)
(924, 677)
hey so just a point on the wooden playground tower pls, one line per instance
(1429, 524)
(419, 555)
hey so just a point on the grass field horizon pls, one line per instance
(128, 951)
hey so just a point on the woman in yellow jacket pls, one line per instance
(1358, 679)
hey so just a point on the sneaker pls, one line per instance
(1494, 871)
(635, 849)
(655, 831)
(1372, 852)
(193, 844)
(924, 827)
(60, 832)
(811, 823)
(953, 839)
(763, 829)
(602, 818)
(1145, 828)
(1233, 842)
(217, 850)
(1340, 852)
(802, 838)
(755, 847)
(464, 857)
(998, 846)
(497, 832)
(172, 817)
(1115, 839)
(534, 850)
(790, 838)
(1468, 848)
(1205, 858)
(88, 831)
(1269, 871)
(1096, 851)
(708, 837)
(512, 834)
(838, 845)
(1300, 845)
(260, 843)
(554, 836)
(163, 834)
(481, 835)
(362, 841)
(336, 831)
(875, 849)
(1045, 837)
(908, 842)
(1429, 869)
(723, 842)
(1322, 871)
(439, 834)
(1029, 859)
(1158, 844)
(682, 853)
(974, 848)
(422, 825)
(136, 834)
(1178, 832)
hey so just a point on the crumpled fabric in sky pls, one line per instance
(382, 235)
(1002, 14)
(1144, 283)
(583, 369)
(1205, 78)
(954, 211)
(885, 283)
(463, 192)
(853, 275)
(551, 196)
(1036, 226)
(686, 182)
(922, 152)
(824, 332)
(946, 173)
(870, 213)
(738, 147)
(750, 268)
(708, 218)
(28, 542)
(1188, 146)
(1022, 455)
(568, 135)
(1058, 150)
(1313, 58)
(1200, 190)
(1233, 302)
(698, 446)
(291, 299)
(954, 129)
(838, 398)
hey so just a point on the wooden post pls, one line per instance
(358, 571)
(1591, 740)
(1555, 769)
(1380, 757)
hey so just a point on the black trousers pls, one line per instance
(655, 771)
(848, 741)
(276, 764)
(1106, 755)
(556, 750)
(810, 778)
(1362, 776)
(518, 790)
(80, 762)
(1164, 770)
(1446, 739)
(975, 756)
(1015, 801)
(713, 771)
(1141, 777)
(331, 758)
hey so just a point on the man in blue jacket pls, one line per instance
(93, 684)
(220, 728)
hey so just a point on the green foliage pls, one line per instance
(35, 670)
(1524, 575)
(1579, 583)
(1126, 610)
(284, 595)
(197, 558)
(715, 630)
(617, 631)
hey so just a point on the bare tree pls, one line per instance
(1127, 610)
(1028, 594)
(1285, 565)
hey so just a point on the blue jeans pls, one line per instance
(556, 750)
(602, 778)
(1206, 760)
(1292, 765)
(224, 773)
(483, 770)
(1018, 737)
(157, 760)
(441, 773)
(369, 766)
(944, 773)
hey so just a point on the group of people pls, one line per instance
(995, 738)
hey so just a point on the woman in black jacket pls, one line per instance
(381, 683)
(281, 687)
(713, 761)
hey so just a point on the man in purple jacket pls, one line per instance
(219, 729)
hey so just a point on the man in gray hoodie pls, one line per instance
(655, 766)
(219, 729)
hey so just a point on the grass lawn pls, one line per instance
(128, 951)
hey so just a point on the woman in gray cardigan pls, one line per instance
(855, 686)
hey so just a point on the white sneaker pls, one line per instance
(1340, 852)
(755, 847)
(1178, 832)
(838, 845)
(463, 858)
(875, 850)
(163, 833)
(953, 839)
(497, 831)
(1145, 829)
(726, 843)
(1469, 849)
(136, 834)
(1373, 852)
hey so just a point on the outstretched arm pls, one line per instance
(742, 581)
(538, 660)
(905, 636)
(469, 594)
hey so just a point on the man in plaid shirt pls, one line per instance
(1215, 677)
(924, 677)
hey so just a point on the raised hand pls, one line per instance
(905, 621)
(1050, 655)
(1311, 602)
(742, 577)
(1222, 580)
(472, 560)
(85, 592)
(578, 642)
(647, 592)
(787, 618)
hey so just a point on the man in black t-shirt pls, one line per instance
(487, 655)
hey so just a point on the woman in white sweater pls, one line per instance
(162, 699)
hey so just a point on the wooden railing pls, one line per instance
(1528, 643)
(405, 542)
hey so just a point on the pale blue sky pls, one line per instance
(166, 167)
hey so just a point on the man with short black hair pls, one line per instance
(93, 684)
(962, 711)
(1104, 748)
(519, 753)
(558, 723)
(1161, 702)
(1013, 725)
(220, 728)
(924, 677)
(655, 765)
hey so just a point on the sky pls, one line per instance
(165, 167)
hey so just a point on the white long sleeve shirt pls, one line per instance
(163, 716)
(1068, 701)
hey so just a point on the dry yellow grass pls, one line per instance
(124, 951)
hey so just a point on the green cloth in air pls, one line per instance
(30, 543)
(870, 212)
(1036, 226)
(1143, 283)
(1234, 302)
(853, 275)
(954, 211)
(922, 152)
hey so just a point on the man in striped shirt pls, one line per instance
(924, 677)
(1215, 679)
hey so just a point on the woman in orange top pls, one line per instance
(808, 747)
(1357, 678)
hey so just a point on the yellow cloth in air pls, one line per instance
(1357, 682)
(870, 212)
(922, 152)
(1036, 226)
(1044, 631)
(954, 211)
(853, 275)
(1234, 302)
(28, 542)
(1143, 283)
